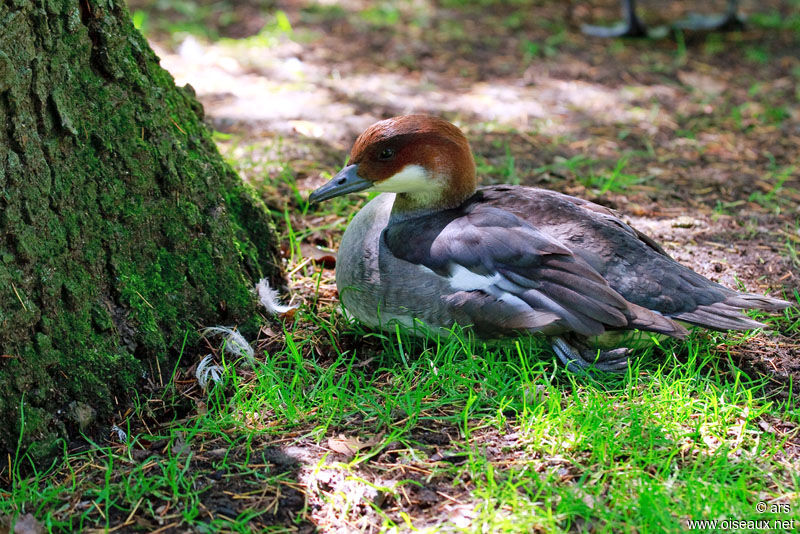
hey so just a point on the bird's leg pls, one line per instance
(728, 21)
(579, 358)
(632, 26)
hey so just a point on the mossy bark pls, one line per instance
(121, 228)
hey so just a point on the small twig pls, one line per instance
(299, 266)
(176, 125)
(136, 507)
(165, 527)
(144, 299)
(99, 510)
(448, 497)
(18, 297)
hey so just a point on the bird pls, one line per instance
(632, 26)
(507, 260)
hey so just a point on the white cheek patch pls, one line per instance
(412, 179)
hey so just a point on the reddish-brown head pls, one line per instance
(425, 160)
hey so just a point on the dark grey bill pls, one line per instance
(346, 181)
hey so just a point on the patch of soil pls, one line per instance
(258, 479)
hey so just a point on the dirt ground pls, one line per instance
(693, 138)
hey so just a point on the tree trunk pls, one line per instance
(121, 228)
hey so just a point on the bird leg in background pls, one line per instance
(728, 21)
(579, 358)
(630, 27)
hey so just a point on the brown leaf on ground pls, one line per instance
(350, 446)
(322, 256)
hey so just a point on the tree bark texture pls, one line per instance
(121, 228)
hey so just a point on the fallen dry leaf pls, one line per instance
(307, 128)
(324, 257)
(349, 446)
(702, 82)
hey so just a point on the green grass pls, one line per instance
(683, 435)
(504, 171)
(792, 242)
(533, 50)
(582, 169)
(774, 20)
(775, 195)
(206, 20)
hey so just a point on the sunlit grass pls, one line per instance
(682, 435)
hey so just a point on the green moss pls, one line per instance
(122, 228)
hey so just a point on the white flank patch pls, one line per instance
(412, 179)
(269, 298)
(463, 279)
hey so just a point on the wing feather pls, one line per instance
(524, 278)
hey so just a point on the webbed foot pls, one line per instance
(580, 359)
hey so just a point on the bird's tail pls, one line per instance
(728, 314)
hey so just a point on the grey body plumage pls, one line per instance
(554, 264)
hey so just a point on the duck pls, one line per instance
(507, 260)
(632, 25)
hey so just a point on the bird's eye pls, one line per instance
(387, 153)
